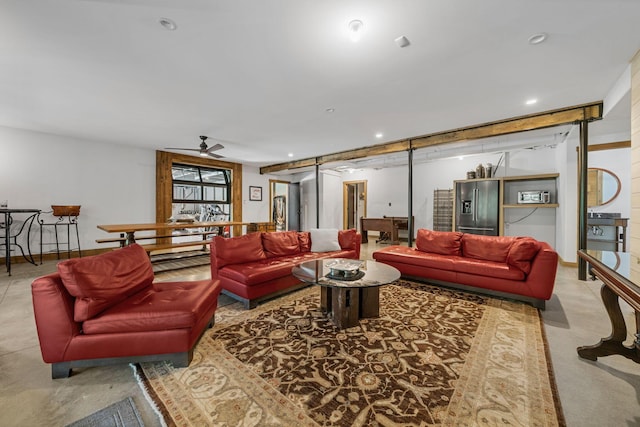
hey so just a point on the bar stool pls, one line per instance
(67, 216)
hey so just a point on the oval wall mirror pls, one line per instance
(603, 187)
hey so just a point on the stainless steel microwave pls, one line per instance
(534, 196)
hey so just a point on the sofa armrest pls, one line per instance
(53, 312)
(214, 260)
(543, 271)
(350, 240)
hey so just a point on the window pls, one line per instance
(201, 193)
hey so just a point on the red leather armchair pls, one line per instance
(106, 309)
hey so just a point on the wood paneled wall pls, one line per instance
(635, 164)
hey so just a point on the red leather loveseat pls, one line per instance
(519, 268)
(257, 266)
(105, 309)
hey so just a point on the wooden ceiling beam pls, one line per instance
(359, 153)
(575, 114)
(518, 124)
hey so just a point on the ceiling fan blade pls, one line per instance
(216, 156)
(215, 148)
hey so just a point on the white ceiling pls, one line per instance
(259, 75)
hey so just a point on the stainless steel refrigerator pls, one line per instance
(478, 207)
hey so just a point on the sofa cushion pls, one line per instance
(347, 238)
(240, 249)
(280, 243)
(413, 256)
(324, 239)
(490, 248)
(438, 242)
(479, 267)
(160, 307)
(254, 273)
(522, 253)
(304, 239)
(102, 281)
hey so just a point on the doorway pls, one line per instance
(354, 206)
(284, 200)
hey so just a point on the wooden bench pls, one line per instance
(153, 247)
(161, 246)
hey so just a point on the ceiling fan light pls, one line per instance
(204, 154)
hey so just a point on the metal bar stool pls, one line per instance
(67, 216)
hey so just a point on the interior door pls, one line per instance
(354, 203)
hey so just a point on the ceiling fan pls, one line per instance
(204, 150)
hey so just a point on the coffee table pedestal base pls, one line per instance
(346, 306)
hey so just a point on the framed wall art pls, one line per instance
(255, 193)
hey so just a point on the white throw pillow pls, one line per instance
(324, 240)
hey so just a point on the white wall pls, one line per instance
(252, 210)
(113, 184)
(331, 199)
(116, 183)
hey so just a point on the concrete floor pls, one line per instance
(602, 393)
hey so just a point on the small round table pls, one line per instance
(349, 299)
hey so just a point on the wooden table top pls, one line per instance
(130, 228)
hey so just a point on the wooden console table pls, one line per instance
(617, 283)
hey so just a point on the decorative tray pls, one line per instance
(345, 270)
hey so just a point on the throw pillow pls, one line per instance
(102, 281)
(490, 248)
(280, 243)
(438, 242)
(324, 239)
(238, 250)
(522, 253)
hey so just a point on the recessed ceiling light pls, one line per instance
(402, 41)
(330, 110)
(355, 28)
(290, 154)
(537, 38)
(531, 101)
(168, 24)
(379, 135)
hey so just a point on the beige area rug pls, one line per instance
(435, 357)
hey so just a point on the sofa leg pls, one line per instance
(212, 322)
(60, 370)
(181, 360)
(539, 304)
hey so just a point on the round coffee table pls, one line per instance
(346, 296)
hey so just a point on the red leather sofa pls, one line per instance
(519, 268)
(105, 309)
(257, 266)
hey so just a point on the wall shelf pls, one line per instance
(509, 206)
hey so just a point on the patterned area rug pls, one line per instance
(435, 357)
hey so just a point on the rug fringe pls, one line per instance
(145, 392)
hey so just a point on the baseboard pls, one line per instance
(567, 263)
(49, 256)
